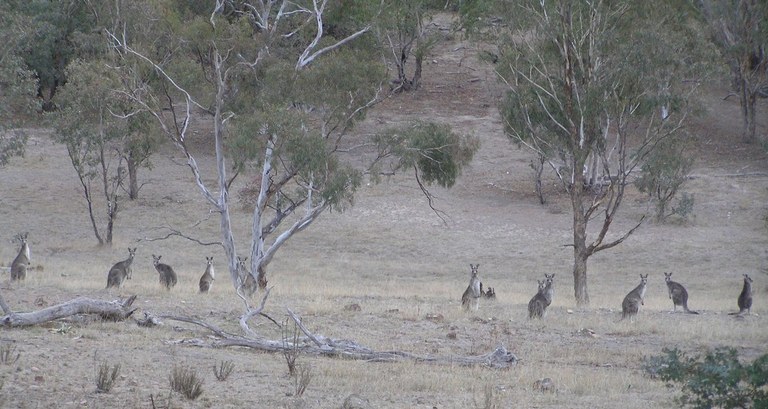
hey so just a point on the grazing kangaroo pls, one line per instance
(632, 302)
(471, 296)
(677, 294)
(745, 298)
(21, 262)
(206, 281)
(121, 271)
(543, 298)
(167, 275)
(247, 282)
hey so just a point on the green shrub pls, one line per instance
(662, 176)
(717, 379)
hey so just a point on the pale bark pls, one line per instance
(108, 310)
(313, 344)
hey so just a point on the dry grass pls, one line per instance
(393, 257)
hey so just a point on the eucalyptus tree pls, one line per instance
(95, 138)
(284, 92)
(53, 39)
(403, 30)
(740, 30)
(17, 85)
(593, 86)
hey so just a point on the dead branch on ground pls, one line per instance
(314, 344)
(116, 310)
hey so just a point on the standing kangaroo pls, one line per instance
(206, 281)
(21, 262)
(632, 302)
(167, 275)
(471, 296)
(677, 294)
(246, 280)
(745, 298)
(121, 271)
(543, 298)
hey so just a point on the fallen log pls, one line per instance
(116, 310)
(499, 358)
(313, 344)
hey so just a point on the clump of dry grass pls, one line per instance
(158, 404)
(489, 399)
(301, 379)
(8, 354)
(186, 382)
(223, 370)
(106, 377)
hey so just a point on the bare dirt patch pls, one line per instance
(404, 267)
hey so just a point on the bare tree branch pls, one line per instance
(177, 233)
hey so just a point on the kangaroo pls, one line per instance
(471, 296)
(21, 262)
(632, 302)
(121, 271)
(537, 305)
(549, 290)
(543, 298)
(677, 294)
(490, 294)
(745, 298)
(206, 281)
(167, 275)
(247, 282)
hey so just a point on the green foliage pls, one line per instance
(17, 85)
(717, 379)
(186, 382)
(663, 174)
(59, 32)
(437, 152)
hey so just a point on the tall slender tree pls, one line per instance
(740, 30)
(593, 86)
(284, 92)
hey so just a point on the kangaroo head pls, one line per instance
(131, 252)
(643, 279)
(667, 277)
(550, 278)
(747, 279)
(156, 259)
(209, 260)
(542, 284)
(474, 269)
